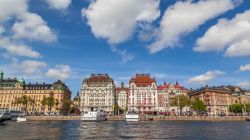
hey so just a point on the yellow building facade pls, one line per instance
(12, 89)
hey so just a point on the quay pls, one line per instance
(145, 118)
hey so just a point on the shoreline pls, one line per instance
(143, 118)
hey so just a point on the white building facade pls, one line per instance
(142, 96)
(98, 92)
(122, 97)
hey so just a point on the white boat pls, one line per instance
(132, 116)
(98, 115)
(21, 118)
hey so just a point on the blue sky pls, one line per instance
(195, 42)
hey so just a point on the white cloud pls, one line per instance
(29, 66)
(26, 25)
(8, 10)
(245, 67)
(31, 26)
(231, 34)
(244, 84)
(116, 20)
(60, 72)
(16, 49)
(59, 4)
(203, 78)
(184, 17)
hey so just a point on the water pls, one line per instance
(182, 130)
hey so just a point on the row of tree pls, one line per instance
(239, 108)
(66, 107)
(183, 101)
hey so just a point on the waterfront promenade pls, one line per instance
(151, 118)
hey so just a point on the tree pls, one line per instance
(236, 108)
(66, 105)
(32, 102)
(23, 100)
(50, 102)
(248, 107)
(198, 105)
(44, 103)
(181, 101)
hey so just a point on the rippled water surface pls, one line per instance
(123, 130)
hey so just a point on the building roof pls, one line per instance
(207, 88)
(170, 85)
(142, 80)
(98, 78)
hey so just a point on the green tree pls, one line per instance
(23, 101)
(198, 105)
(248, 107)
(44, 103)
(236, 108)
(181, 101)
(31, 102)
(66, 105)
(50, 102)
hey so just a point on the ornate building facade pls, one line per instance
(12, 89)
(122, 96)
(166, 94)
(143, 94)
(216, 99)
(98, 92)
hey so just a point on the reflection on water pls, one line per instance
(123, 130)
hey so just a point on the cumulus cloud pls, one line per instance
(184, 17)
(31, 26)
(233, 36)
(244, 84)
(8, 11)
(29, 66)
(60, 72)
(245, 67)
(26, 25)
(203, 78)
(59, 4)
(116, 20)
(17, 49)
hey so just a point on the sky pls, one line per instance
(194, 42)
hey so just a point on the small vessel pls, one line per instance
(4, 115)
(21, 118)
(132, 116)
(95, 115)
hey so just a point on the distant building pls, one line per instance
(98, 92)
(122, 96)
(216, 99)
(12, 89)
(143, 94)
(76, 100)
(166, 94)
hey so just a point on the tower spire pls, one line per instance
(1, 75)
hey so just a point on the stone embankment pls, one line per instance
(145, 118)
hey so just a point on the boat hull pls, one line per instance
(21, 119)
(92, 119)
(132, 118)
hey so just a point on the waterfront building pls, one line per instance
(122, 96)
(143, 94)
(166, 94)
(98, 92)
(76, 100)
(12, 89)
(216, 99)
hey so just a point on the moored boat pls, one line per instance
(21, 118)
(132, 116)
(98, 115)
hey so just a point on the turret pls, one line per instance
(122, 85)
(1, 75)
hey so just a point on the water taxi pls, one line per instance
(132, 116)
(95, 115)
